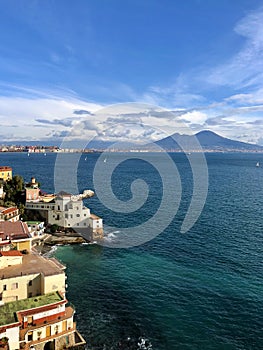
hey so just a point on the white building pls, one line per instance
(68, 211)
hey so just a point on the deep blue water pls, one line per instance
(198, 290)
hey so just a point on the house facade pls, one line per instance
(9, 214)
(14, 235)
(36, 228)
(68, 211)
(43, 322)
(23, 276)
(33, 311)
(5, 173)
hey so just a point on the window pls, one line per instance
(66, 216)
(30, 283)
(4, 287)
(14, 285)
(78, 215)
(30, 336)
(29, 319)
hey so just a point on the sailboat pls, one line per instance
(257, 165)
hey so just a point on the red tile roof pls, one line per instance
(11, 253)
(14, 230)
(5, 168)
(5, 211)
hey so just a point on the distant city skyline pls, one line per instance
(62, 62)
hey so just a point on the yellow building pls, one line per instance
(14, 235)
(5, 173)
(26, 275)
(42, 323)
(33, 307)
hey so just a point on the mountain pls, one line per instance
(208, 140)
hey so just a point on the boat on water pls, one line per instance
(257, 165)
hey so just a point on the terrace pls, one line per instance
(8, 312)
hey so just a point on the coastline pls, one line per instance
(47, 243)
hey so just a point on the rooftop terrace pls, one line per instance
(33, 264)
(8, 311)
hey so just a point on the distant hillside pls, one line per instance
(208, 140)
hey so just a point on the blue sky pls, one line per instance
(201, 59)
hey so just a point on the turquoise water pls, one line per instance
(199, 290)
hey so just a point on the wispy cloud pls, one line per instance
(65, 122)
(245, 68)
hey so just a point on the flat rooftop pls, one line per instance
(34, 222)
(8, 311)
(33, 264)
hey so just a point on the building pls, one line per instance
(32, 191)
(26, 275)
(5, 173)
(67, 211)
(33, 311)
(2, 193)
(10, 258)
(43, 322)
(14, 235)
(9, 214)
(36, 228)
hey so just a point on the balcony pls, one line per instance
(77, 341)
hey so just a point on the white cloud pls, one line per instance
(245, 68)
(26, 111)
(196, 117)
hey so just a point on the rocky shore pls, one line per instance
(44, 244)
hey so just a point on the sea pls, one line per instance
(201, 289)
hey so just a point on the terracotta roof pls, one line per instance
(15, 230)
(11, 253)
(5, 210)
(5, 168)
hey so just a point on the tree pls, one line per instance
(14, 190)
(53, 228)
